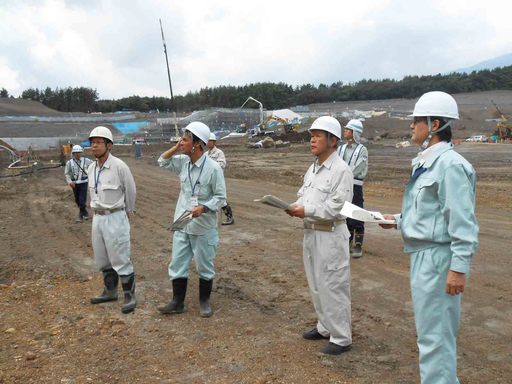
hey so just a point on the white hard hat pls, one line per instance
(101, 132)
(355, 125)
(213, 137)
(436, 104)
(327, 124)
(200, 130)
(76, 149)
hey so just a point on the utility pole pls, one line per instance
(173, 108)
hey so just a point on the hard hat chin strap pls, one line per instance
(430, 133)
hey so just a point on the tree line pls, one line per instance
(274, 95)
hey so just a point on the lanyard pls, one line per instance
(193, 187)
(97, 179)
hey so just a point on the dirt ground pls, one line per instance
(51, 334)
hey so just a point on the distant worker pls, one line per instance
(216, 154)
(203, 193)
(112, 191)
(440, 232)
(327, 185)
(355, 155)
(76, 177)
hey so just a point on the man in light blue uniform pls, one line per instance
(203, 193)
(440, 232)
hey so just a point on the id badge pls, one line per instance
(95, 198)
(194, 201)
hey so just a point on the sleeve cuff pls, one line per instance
(459, 266)
(163, 162)
(308, 210)
(398, 220)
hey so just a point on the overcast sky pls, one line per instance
(115, 46)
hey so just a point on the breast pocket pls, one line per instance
(426, 206)
(111, 193)
(185, 185)
(322, 192)
(426, 196)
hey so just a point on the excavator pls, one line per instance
(503, 128)
(272, 122)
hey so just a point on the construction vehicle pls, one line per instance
(276, 123)
(503, 128)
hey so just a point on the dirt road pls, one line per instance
(50, 332)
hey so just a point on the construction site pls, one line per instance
(261, 301)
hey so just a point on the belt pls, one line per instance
(327, 226)
(358, 182)
(103, 212)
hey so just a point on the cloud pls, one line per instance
(115, 46)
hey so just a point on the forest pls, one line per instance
(272, 95)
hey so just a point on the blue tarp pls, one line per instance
(131, 127)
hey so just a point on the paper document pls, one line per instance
(358, 213)
(274, 202)
(181, 221)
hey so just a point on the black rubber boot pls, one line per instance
(110, 279)
(177, 304)
(205, 290)
(128, 283)
(84, 214)
(357, 249)
(229, 215)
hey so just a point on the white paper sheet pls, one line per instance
(357, 213)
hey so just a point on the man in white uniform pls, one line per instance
(112, 191)
(327, 185)
(216, 154)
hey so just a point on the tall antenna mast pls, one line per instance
(167, 61)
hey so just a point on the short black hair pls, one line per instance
(445, 134)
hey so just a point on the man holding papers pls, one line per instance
(203, 193)
(328, 183)
(440, 232)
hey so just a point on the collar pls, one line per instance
(107, 162)
(198, 161)
(328, 162)
(427, 157)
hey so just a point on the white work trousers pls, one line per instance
(111, 242)
(327, 265)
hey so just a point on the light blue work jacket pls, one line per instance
(206, 179)
(438, 207)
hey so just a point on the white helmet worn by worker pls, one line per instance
(200, 130)
(436, 104)
(357, 129)
(77, 149)
(213, 137)
(101, 132)
(328, 124)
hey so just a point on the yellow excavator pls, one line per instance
(272, 123)
(503, 128)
